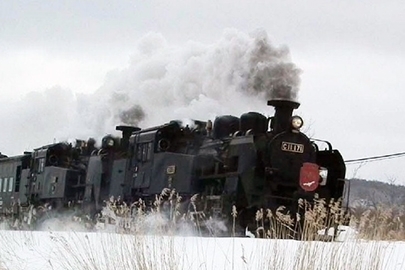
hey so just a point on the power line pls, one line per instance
(376, 158)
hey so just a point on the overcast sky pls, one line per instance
(351, 54)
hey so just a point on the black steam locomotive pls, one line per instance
(249, 162)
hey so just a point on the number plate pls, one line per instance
(292, 147)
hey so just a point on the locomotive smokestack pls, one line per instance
(126, 133)
(282, 116)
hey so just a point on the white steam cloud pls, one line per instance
(236, 74)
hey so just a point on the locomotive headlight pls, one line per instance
(110, 142)
(296, 122)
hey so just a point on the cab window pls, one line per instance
(40, 165)
(144, 151)
(5, 185)
(10, 184)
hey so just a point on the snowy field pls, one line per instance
(97, 250)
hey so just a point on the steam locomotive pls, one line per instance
(248, 162)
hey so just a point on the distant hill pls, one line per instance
(373, 193)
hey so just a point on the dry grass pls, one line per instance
(380, 223)
(149, 240)
(303, 225)
(168, 216)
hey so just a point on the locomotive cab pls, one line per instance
(56, 173)
(165, 157)
(12, 190)
(107, 168)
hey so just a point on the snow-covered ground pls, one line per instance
(100, 250)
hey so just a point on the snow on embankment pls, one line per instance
(83, 250)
